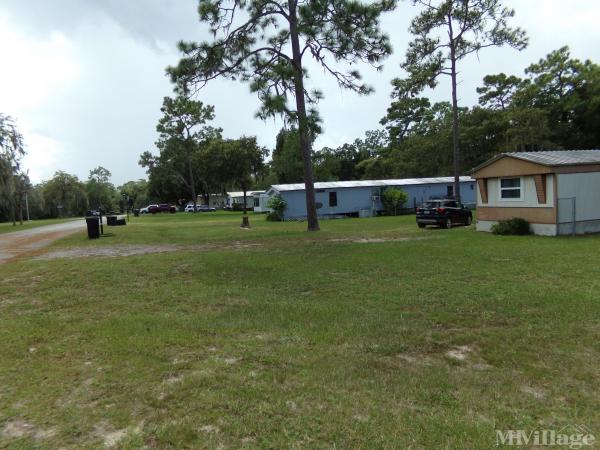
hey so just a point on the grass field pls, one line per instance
(7, 227)
(369, 334)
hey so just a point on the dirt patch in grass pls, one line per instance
(375, 240)
(415, 359)
(111, 437)
(132, 250)
(19, 428)
(209, 429)
(534, 392)
(460, 353)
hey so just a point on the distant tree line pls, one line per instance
(64, 195)
(193, 157)
(555, 105)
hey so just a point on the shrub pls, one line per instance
(392, 200)
(273, 217)
(516, 226)
(278, 205)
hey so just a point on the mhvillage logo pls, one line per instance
(571, 436)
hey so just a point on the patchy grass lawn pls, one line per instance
(7, 227)
(369, 334)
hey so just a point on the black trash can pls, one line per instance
(111, 220)
(93, 226)
(136, 212)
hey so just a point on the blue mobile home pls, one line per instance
(363, 197)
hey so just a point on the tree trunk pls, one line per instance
(20, 209)
(455, 142)
(305, 144)
(245, 220)
(244, 201)
(191, 178)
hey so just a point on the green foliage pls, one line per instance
(277, 204)
(266, 48)
(258, 51)
(497, 90)
(64, 196)
(286, 162)
(173, 175)
(516, 114)
(446, 32)
(349, 161)
(233, 163)
(13, 182)
(514, 226)
(136, 191)
(100, 191)
(393, 199)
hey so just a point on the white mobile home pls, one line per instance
(363, 197)
(261, 200)
(214, 200)
(558, 192)
(237, 198)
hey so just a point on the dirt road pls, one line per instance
(19, 243)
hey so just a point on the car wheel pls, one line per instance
(468, 221)
(448, 223)
(421, 225)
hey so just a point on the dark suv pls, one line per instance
(163, 207)
(445, 213)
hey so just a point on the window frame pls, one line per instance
(521, 188)
(331, 205)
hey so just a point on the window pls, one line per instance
(510, 189)
(450, 205)
(450, 191)
(332, 199)
(256, 202)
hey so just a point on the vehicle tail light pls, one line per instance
(441, 210)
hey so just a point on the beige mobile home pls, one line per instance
(558, 192)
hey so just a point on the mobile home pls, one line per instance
(363, 198)
(558, 192)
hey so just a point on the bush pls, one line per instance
(278, 205)
(273, 217)
(392, 200)
(514, 226)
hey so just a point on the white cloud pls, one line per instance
(34, 70)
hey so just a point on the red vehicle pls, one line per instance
(163, 207)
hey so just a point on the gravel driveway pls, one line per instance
(22, 242)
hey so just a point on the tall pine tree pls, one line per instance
(266, 43)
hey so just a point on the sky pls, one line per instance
(85, 80)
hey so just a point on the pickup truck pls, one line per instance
(163, 207)
(445, 213)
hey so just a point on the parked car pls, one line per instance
(444, 212)
(199, 208)
(163, 207)
(146, 210)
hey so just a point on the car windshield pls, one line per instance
(432, 204)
